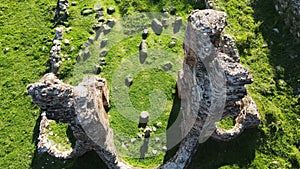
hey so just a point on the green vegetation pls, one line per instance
(26, 29)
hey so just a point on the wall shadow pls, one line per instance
(174, 115)
(90, 160)
(214, 154)
(284, 49)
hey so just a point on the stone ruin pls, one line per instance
(211, 86)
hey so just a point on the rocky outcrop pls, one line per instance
(211, 87)
(290, 10)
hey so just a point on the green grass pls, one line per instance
(26, 29)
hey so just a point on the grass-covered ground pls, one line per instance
(26, 29)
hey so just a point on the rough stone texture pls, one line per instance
(128, 81)
(143, 51)
(209, 4)
(208, 85)
(177, 24)
(211, 86)
(157, 26)
(290, 10)
(61, 12)
(82, 107)
(55, 51)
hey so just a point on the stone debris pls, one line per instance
(211, 87)
(99, 14)
(103, 43)
(144, 119)
(143, 51)
(111, 10)
(154, 152)
(128, 81)
(172, 44)
(145, 34)
(106, 29)
(165, 23)
(110, 23)
(61, 12)
(87, 11)
(97, 69)
(98, 7)
(168, 66)
(157, 26)
(102, 61)
(177, 25)
(172, 10)
(103, 53)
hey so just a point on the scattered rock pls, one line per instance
(158, 124)
(103, 53)
(164, 148)
(106, 29)
(74, 3)
(177, 25)
(165, 23)
(157, 139)
(144, 119)
(66, 42)
(128, 81)
(145, 34)
(276, 30)
(172, 44)
(102, 61)
(166, 14)
(154, 129)
(143, 51)
(101, 19)
(99, 14)
(97, 69)
(87, 11)
(103, 43)
(172, 10)
(110, 23)
(147, 132)
(139, 136)
(154, 152)
(86, 54)
(168, 66)
(157, 26)
(91, 40)
(132, 140)
(97, 26)
(78, 58)
(6, 50)
(124, 146)
(111, 10)
(98, 7)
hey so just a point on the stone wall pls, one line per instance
(211, 86)
(290, 11)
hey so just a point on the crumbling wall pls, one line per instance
(211, 86)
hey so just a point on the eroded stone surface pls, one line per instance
(211, 86)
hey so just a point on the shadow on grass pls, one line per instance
(172, 135)
(90, 160)
(284, 49)
(214, 154)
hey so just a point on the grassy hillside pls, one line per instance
(26, 29)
